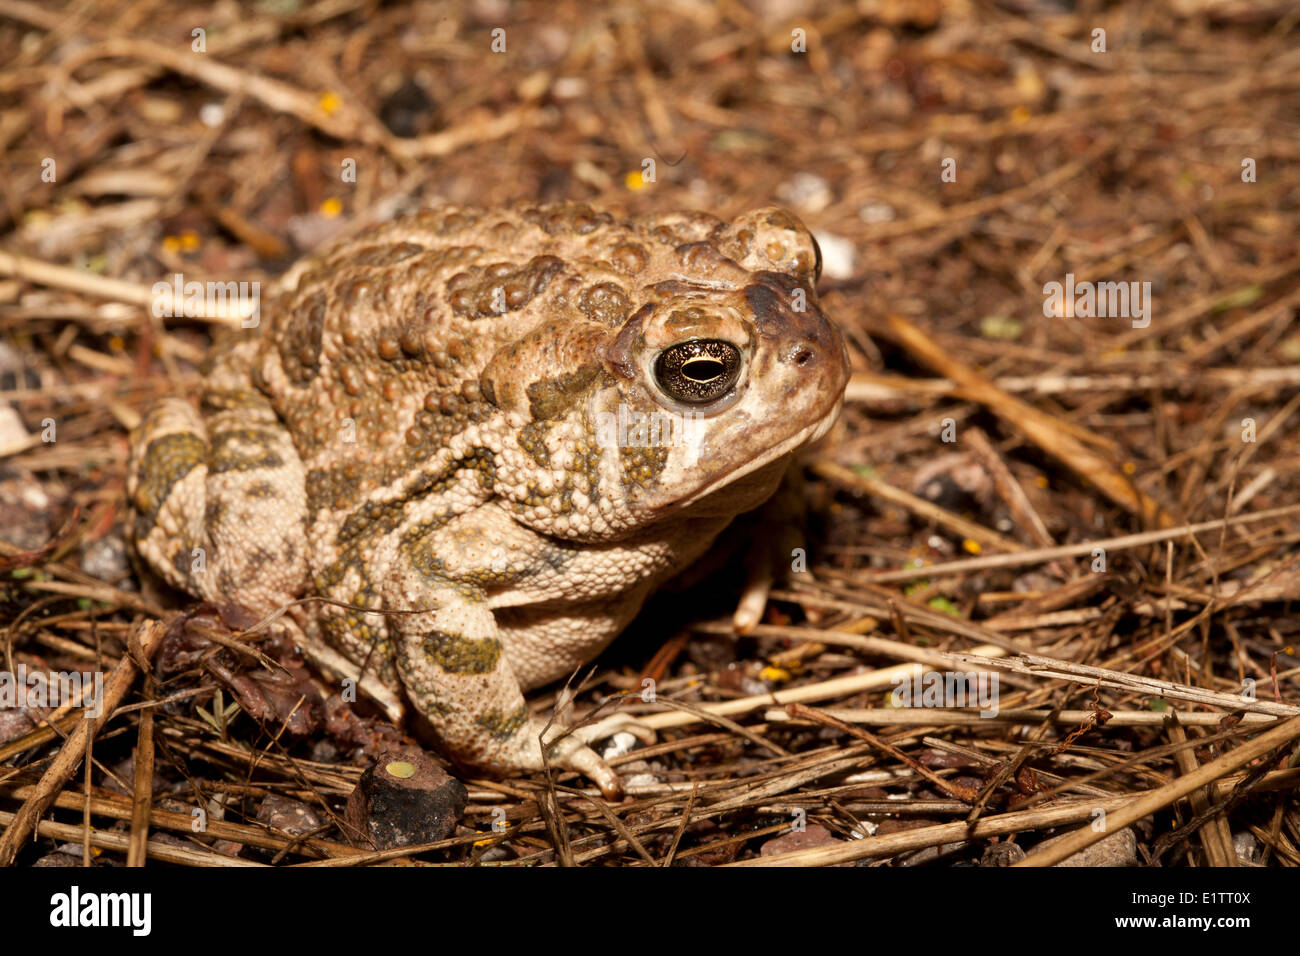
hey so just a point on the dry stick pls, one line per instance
(63, 766)
(1037, 603)
(1052, 668)
(1037, 426)
(1218, 850)
(738, 729)
(1252, 488)
(74, 280)
(1012, 758)
(108, 840)
(971, 717)
(59, 727)
(1244, 326)
(686, 819)
(1276, 422)
(56, 21)
(1275, 840)
(104, 287)
(754, 793)
(835, 687)
(343, 122)
(1014, 822)
(882, 646)
(779, 828)
(826, 764)
(895, 843)
(895, 607)
(1009, 489)
(103, 804)
(88, 765)
(482, 127)
(1037, 556)
(346, 121)
(619, 826)
(900, 623)
(1134, 810)
(142, 799)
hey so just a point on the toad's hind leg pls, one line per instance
(220, 499)
(454, 668)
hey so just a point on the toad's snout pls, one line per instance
(809, 353)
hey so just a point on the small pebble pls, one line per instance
(839, 256)
(620, 744)
(1118, 849)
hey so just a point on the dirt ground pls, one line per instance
(1061, 240)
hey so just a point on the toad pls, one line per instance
(484, 437)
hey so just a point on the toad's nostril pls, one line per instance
(798, 354)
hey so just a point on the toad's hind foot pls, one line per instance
(613, 724)
(569, 749)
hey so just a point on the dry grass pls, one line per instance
(1170, 446)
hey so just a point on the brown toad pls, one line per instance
(508, 427)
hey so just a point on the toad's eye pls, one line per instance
(698, 371)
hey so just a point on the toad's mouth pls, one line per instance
(805, 436)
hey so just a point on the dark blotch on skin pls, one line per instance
(460, 655)
(166, 461)
(503, 726)
(261, 490)
(552, 397)
(532, 439)
(242, 449)
(333, 488)
(768, 306)
(641, 467)
(382, 517)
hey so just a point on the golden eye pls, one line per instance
(698, 371)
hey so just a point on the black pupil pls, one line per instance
(702, 369)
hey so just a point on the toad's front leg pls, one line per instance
(453, 665)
